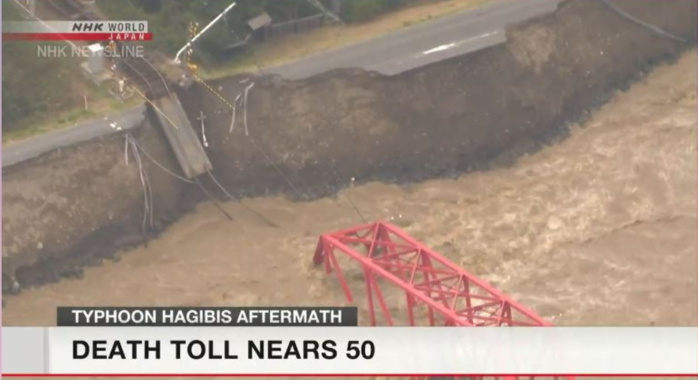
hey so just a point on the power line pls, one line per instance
(351, 202)
(157, 163)
(276, 167)
(155, 107)
(215, 202)
(246, 207)
(196, 181)
(145, 183)
(653, 28)
(271, 162)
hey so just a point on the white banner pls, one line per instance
(351, 350)
(75, 27)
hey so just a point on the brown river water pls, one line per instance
(599, 229)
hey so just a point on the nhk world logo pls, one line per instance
(76, 31)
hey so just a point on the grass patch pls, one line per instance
(44, 93)
(39, 124)
(282, 50)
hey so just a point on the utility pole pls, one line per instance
(207, 27)
(193, 30)
(336, 6)
(31, 5)
(116, 86)
(328, 13)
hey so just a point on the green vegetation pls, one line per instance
(169, 19)
(287, 48)
(30, 85)
(41, 93)
(36, 124)
(364, 10)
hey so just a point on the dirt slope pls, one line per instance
(76, 206)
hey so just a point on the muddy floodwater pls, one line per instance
(599, 229)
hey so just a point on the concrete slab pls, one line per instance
(181, 136)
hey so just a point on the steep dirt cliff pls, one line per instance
(308, 138)
(74, 206)
(446, 118)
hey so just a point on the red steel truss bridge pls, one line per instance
(432, 284)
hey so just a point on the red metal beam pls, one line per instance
(434, 269)
(426, 278)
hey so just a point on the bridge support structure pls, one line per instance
(448, 294)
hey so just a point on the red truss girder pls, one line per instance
(425, 276)
(388, 254)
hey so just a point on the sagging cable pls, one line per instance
(637, 21)
(246, 207)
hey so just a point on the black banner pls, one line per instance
(207, 316)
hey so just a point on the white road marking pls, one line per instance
(457, 43)
(439, 48)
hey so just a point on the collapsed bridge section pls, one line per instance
(170, 115)
(451, 295)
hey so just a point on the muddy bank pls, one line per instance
(444, 119)
(78, 205)
(74, 207)
(597, 230)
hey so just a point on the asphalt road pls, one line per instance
(113, 123)
(424, 43)
(390, 54)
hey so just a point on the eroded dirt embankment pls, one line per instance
(77, 205)
(446, 118)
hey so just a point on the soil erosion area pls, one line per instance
(79, 205)
(597, 230)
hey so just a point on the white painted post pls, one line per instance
(207, 27)
(202, 117)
